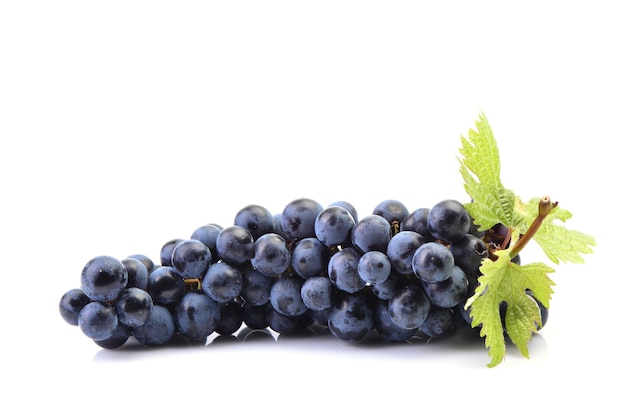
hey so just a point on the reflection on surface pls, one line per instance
(316, 338)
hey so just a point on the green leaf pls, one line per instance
(491, 202)
(557, 242)
(505, 281)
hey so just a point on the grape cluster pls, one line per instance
(396, 273)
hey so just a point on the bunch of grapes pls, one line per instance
(395, 273)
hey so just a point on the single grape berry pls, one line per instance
(207, 234)
(409, 307)
(256, 219)
(392, 210)
(222, 282)
(158, 329)
(271, 255)
(71, 303)
(448, 221)
(133, 306)
(333, 225)
(374, 267)
(103, 278)
(350, 318)
(235, 245)
(197, 316)
(97, 320)
(298, 218)
(191, 258)
(166, 285)
(137, 272)
(371, 233)
(432, 262)
(309, 257)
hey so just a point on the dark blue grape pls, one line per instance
(284, 324)
(235, 245)
(439, 323)
(298, 218)
(158, 329)
(371, 233)
(432, 262)
(468, 253)
(409, 307)
(320, 317)
(97, 320)
(143, 259)
(191, 258)
(318, 293)
(271, 255)
(417, 221)
(222, 282)
(448, 293)
(207, 234)
(386, 328)
(103, 278)
(197, 316)
(71, 303)
(133, 306)
(119, 337)
(166, 251)
(255, 288)
(278, 228)
(254, 316)
(137, 273)
(350, 319)
(401, 249)
(374, 267)
(310, 257)
(166, 285)
(448, 221)
(231, 318)
(285, 295)
(343, 270)
(333, 226)
(256, 219)
(391, 210)
(385, 289)
(349, 207)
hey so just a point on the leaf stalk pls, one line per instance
(544, 209)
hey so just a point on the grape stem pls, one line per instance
(545, 207)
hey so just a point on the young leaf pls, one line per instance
(558, 243)
(505, 281)
(491, 202)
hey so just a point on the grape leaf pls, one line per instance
(557, 242)
(505, 281)
(492, 203)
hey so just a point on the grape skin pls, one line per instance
(409, 307)
(351, 318)
(97, 320)
(158, 329)
(448, 221)
(133, 307)
(103, 278)
(333, 225)
(371, 233)
(191, 258)
(222, 282)
(197, 316)
(71, 303)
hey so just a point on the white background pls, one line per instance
(127, 123)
